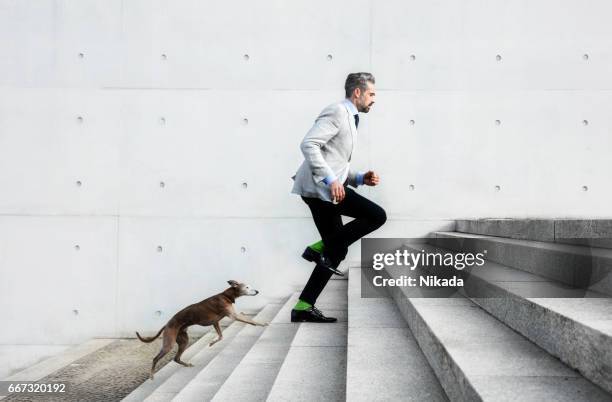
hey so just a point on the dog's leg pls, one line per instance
(168, 340)
(182, 339)
(220, 335)
(239, 317)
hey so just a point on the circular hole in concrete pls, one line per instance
(497, 122)
(77, 247)
(159, 249)
(246, 57)
(585, 56)
(245, 185)
(585, 122)
(330, 57)
(412, 57)
(585, 188)
(243, 249)
(497, 188)
(162, 184)
(78, 183)
(411, 187)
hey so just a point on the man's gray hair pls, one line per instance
(357, 80)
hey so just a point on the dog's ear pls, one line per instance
(233, 283)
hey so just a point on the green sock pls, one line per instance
(318, 246)
(302, 305)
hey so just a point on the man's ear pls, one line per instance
(232, 283)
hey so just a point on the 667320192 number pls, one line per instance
(33, 387)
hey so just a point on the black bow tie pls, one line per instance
(357, 120)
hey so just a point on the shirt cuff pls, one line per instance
(329, 179)
(359, 178)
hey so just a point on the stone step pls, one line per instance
(315, 366)
(382, 354)
(577, 266)
(572, 324)
(257, 371)
(201, 345)
(180, 377)
(478, 358)
(591, 232)
(209, 379)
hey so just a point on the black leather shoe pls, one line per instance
(326, 262)
(310, 255)
(312, 314)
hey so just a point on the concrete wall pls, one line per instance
(484, 108)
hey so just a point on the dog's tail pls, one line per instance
(150, 338)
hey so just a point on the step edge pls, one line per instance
(282, 310)
(217, 356)
(142, 391)
(465, 389)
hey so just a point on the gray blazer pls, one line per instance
(327, 149)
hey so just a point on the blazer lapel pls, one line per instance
(351, 120)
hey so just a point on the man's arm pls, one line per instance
(355, 179)
(325, 128)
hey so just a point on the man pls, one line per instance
(322, 180)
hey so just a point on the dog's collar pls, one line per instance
(230, 298)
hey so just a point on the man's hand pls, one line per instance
(337, 191)
(371, 178)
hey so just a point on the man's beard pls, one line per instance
(364, 109)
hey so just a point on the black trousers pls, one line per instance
(337, 237)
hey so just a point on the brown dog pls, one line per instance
(207, 312)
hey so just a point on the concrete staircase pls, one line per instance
(365, 356)
(508, 345)
(170, 379)
(283, 361)
(384, 360)
(555, 293)
(504, 340)
(502, 345)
